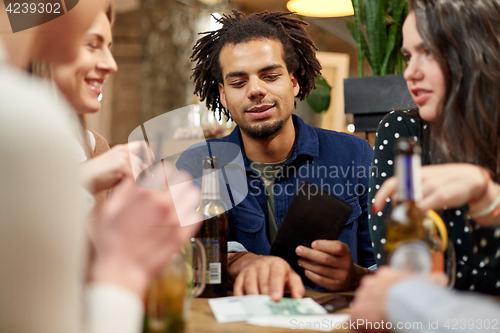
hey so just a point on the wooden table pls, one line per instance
(202, 320)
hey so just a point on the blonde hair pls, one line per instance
(44, 70)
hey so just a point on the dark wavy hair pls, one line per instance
(464, 38)
(299, 51)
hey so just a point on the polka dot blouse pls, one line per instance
(477, 251)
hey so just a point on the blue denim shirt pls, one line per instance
(336, 162)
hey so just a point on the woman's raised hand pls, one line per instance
(443, 186)
(122, 161)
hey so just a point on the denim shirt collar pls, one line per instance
(306, 142)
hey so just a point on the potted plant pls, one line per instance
(316, 103)
(377, 30)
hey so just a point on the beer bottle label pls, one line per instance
(409, 177)
(412, 256)
(214, 273)
(214, 267)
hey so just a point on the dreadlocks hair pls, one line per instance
(299, 51)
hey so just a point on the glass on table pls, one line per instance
(168, 299)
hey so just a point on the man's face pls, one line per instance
(257, 91)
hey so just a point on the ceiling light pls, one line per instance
(321, 8)
(210, 2)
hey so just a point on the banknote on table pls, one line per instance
(242, 308)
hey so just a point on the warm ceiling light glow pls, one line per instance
(210, 2)
(321, 8)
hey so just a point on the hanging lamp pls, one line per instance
(321, 8)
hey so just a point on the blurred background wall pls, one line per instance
(152, 43)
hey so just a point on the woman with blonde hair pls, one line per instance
(81, 82)
(42, 242)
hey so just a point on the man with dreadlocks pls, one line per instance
(251, 70)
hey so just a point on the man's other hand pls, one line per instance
(268, 275)
(329, 264)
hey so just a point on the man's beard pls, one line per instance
(263, 131)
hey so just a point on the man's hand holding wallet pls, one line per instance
(305, 250)
(307, 240)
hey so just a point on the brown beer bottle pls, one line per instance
(214, 231)
(410, 242)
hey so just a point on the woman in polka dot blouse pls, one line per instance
(455, 84)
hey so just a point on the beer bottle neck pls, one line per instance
(210, 184)
(409, 180)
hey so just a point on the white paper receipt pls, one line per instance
(242, 308)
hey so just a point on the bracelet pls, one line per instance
(488, 210)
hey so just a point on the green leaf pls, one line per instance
(362, 11)
(382, 20)
(319, 98)
(376, 32)
(361, 47)
(358, 35)
(393, 37)
(393, 4)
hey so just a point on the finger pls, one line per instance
(153, 178)
(278, 276)
(323, 281)
(144, 153)
(317, 256)
(238, 285)
(386, 191)
(121, 196)
(136, 166)
(136, 147)
(295, 285)
(141, 149)
(263, 279)
(333, 247)
(251, 285)
(431, 202)
(429, 185)
(439, 200)
(339, 259)
(318, 268)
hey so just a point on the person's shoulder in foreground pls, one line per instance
(35, 139)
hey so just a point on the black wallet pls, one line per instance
(313, 214)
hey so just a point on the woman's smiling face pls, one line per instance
(81, 81)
